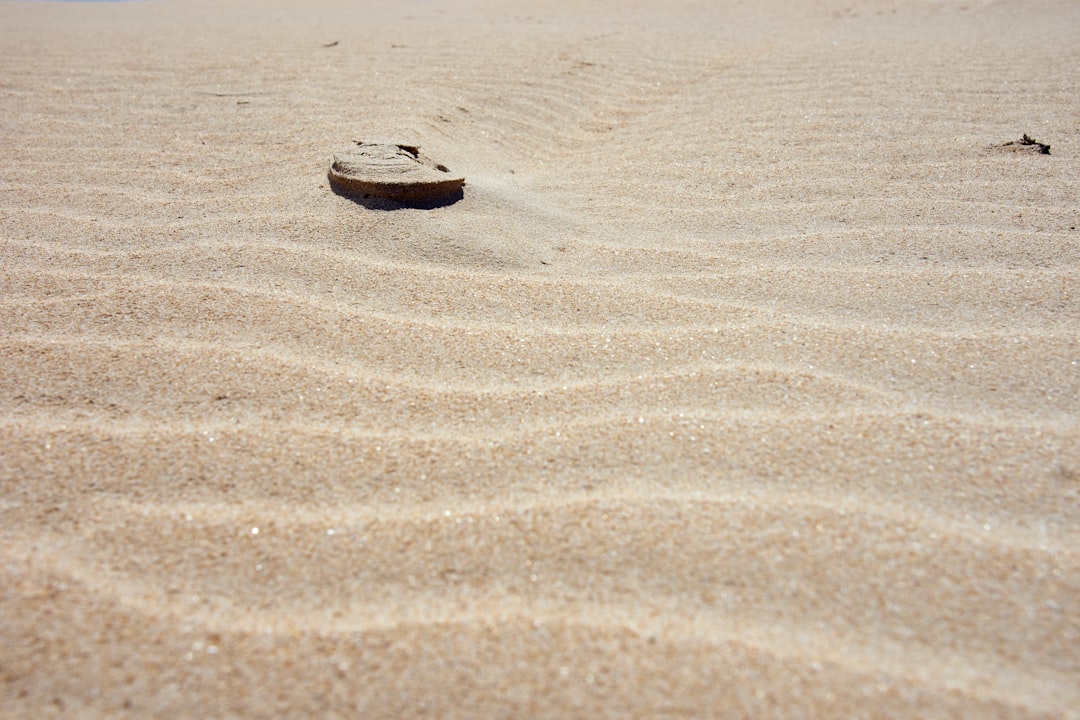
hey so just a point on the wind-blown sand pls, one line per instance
(743, 381)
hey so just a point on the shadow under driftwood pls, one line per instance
(374, 202)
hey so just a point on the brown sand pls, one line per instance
(742, 382)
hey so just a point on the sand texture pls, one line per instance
(742, 381)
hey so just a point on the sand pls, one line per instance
(741, 381)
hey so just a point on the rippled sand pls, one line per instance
(744, 380)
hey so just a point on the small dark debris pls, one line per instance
(1028, 144)
(331, 44)
(229, 94)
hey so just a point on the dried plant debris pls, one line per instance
(391, 170)
(1027, 144)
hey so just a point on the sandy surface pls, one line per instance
(742, 382)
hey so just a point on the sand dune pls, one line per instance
(741, 382)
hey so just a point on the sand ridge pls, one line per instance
(740, 381)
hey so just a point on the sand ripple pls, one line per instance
(742, 381)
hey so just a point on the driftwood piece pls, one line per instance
(393, 171)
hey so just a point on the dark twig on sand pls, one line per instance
(1028, 143)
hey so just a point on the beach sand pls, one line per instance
(742, 381)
